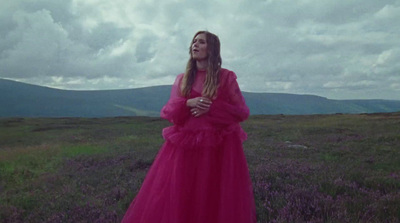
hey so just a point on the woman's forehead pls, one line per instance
(200, 36)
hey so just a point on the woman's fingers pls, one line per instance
(199, 106)
(199, 102)
(203, 106)
(203, 103)
(195, 112)
(198, 112)
(205, 100)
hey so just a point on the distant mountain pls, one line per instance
(292, 104)
(19, 99)
(26, 100)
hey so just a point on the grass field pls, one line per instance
(318, 168)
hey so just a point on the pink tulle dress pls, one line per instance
(200, 175)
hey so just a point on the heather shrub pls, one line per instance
(317, 168)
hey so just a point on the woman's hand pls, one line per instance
(199, 105)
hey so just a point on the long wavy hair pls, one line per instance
(214, 65)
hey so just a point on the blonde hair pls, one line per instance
(214, 66)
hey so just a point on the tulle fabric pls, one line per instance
(200, 175)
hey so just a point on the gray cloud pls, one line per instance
(346, 49)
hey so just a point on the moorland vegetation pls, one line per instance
(308, 168)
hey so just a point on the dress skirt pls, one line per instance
(197, 177)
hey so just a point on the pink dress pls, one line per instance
(200, 175)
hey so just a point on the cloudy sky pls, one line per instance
(340, 49)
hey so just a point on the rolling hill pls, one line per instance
(26, 100)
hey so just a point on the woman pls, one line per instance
(200, 174)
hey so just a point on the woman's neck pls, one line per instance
(201, 64)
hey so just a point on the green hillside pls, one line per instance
(24, 100)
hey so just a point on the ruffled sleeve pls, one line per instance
(176, 110)
(230, 106)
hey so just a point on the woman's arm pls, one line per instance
(176, 110)
(233, 109)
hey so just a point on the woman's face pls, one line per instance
(199, 47)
